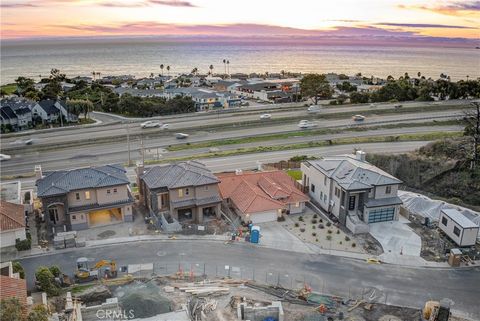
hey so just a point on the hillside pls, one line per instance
(439, 169)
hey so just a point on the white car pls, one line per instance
(181, 135)
(5, 157)
(358, 118)
(266, 116)
(313, 109)
(307, 124)
(164, 126)
(150, 124)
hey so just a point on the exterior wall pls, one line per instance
(103, 197)
(79, 221)
(380, 191)
(73, 202)
(466, 237)
(323, 192)
(7, 238)
(127, 214)
(174, 196)
(202, 192)
(11, 287)
(62, 207)
(294, 209)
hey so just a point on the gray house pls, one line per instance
(85, 197)
(186, 191)
(353, 190)
(50, 110)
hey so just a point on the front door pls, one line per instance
(53, 213)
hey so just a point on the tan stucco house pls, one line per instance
(85, 197)
(187, 191)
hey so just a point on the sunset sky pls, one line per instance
(309, 18)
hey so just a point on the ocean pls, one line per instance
(140, 58)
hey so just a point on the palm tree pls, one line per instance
(93, 74)
(225, 65)
(228, 67)
(468, 77)
(98, 75)
(195, 71)
(211, 69)
(168, 70)
(390, 78)
(151, 75)
(161, 68)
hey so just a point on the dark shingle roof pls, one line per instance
(182, 174)
(62, 182)
(22, 111)
(49, 106)
(7, 112)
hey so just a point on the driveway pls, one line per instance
(397, 238)
(275, 236)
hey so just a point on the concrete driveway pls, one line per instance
(397, 238)
(275, 236)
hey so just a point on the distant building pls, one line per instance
(352, 189)
(12, 224)
(85, 197)
(458, 227)
(261, 196)
(17, 112)
(49, 111)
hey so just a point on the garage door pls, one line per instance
(381, 215)
(263, 217)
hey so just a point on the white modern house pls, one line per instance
(458, 227)
(353, 190)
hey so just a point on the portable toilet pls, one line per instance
(255, 234)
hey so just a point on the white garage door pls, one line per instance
(263, 217)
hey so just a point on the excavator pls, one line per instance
(85, 274)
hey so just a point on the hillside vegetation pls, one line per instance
(440, 168)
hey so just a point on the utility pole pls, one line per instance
(128, 145)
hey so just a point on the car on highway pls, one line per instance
(5, 157)
(164, 126)
(150, 124)
(306, 124)
(397, 106)
(181, 136)
(358, 118)
(265, 116)
(313, 109)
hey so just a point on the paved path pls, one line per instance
(397, 238)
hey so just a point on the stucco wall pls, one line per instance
(7, 238)
(380, 191)
(73, 202)
(103, 197)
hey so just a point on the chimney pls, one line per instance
(360, 155)
(38, 172)
(238, 171)
(259, 166)
(140, 168)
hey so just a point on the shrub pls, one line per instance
(353, 244)
(55, 270)
(321, 220)
(315, 215)
(329, 223)
(300, 218)
(297, 225)
(347, 238)
(38, 313)
(23, 245)
(340, 242)
(10, 309)
(320, 226)
(46, 281)
(302, 230)
(329, 231)
(281, 219)
(18, 268)
(313, 227)
(338, 231)
(316, 240)
(314, 234)
(314, 221)
(329, 237)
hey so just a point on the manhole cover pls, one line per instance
(106, 234)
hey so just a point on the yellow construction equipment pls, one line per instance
(85, 274)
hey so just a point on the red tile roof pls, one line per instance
(11, 216)
(254, 192)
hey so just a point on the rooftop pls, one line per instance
(64, 181)
(10, 192)
(459, 218)
(11, 216)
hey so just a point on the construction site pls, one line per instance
(183, 296)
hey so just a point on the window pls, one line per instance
(312, 188)
(187, 191)
(444, 221)
(456, 231)
(87, 195)
(351, 203)
(388, 190)
(321, 195)
(297, 204)
(114, 190)
(325, 180)
(337, 192)
(324, 197)
(108, 191)
(206, 187)
(77, 196)
(180, 192)
(74, 217)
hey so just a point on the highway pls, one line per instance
(392, 284)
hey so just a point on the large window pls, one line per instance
(444, 221)
(87, 195)
(456, 231)
(381, 215)
(312, 188)
(351, 203)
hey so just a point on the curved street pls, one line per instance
(404, 286)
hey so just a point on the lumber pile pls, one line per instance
(199, 308)
(205, 288)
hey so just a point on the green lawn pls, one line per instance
(296, 174)
(9, 88)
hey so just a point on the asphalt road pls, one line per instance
(392, 284)
(222, 164)
(183, 122)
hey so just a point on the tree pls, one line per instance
(168, 70)
(24, 84)
(10, 310)
(315, 86)
(225, 65)
(52, 90)
(194, 71)
(161, 69)
(18, 268)
(79, 106)
(38, 313)
(359, 98)
(472, 129)
(46, 281)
